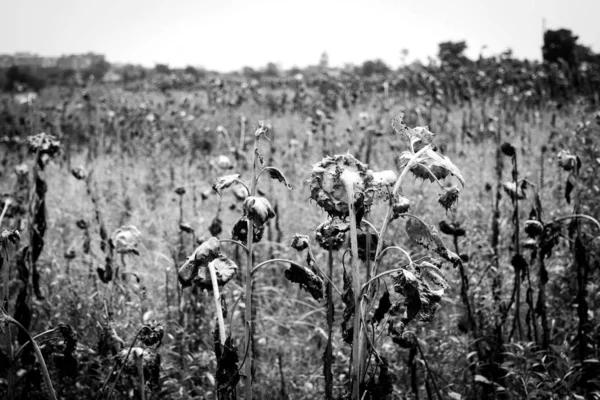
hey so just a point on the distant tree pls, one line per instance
(97, 70)
(561, 44)
(271, 70)
(162, 69)
(294, 71)
(453, 53)
(198, 73)
(373, 67)
(16, 76)
(324, 61)
(250, 73)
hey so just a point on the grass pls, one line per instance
(136, 182)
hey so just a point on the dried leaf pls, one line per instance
(382, 308)
(205, 253)
(307, 280)
(276, 174)
(224, 182)
(225, 269)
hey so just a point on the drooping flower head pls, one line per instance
(334, 175)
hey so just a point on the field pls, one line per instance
(124, 186)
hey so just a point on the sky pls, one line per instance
(226, 35)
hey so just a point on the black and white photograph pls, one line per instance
(266, 199)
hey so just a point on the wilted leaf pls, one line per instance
(228, 374)
(420, 299)
(432, 275)
(349, 307)
(225, 269)
(205, 253)
(239, 231)
(383, 307)
(224, 182)
(276, 174)
(307, 280)
(444, 162)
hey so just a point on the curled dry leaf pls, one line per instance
(428, 237)
(224, 182)
(228, 374)
(420, 299)
(126, 240)
(382, 308)
(205, 253)
(240, 231)
(277, 175)
(307, 279)
(258, 209)
(225, 269)
(349, 307)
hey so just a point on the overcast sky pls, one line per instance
(228, 34)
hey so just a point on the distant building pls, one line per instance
(76, 62)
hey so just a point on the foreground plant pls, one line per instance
(210, 269)
(347, 189)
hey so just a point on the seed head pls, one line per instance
(449, 197)
(533, 228)
(240, 231)
(331, 234)
(300, 242)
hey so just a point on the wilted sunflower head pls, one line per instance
(258, 209)
(333, 175)
(126, 240)
(300, 242)
(205, 253)
(449, 197)
(331, 234)
(566, 160)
